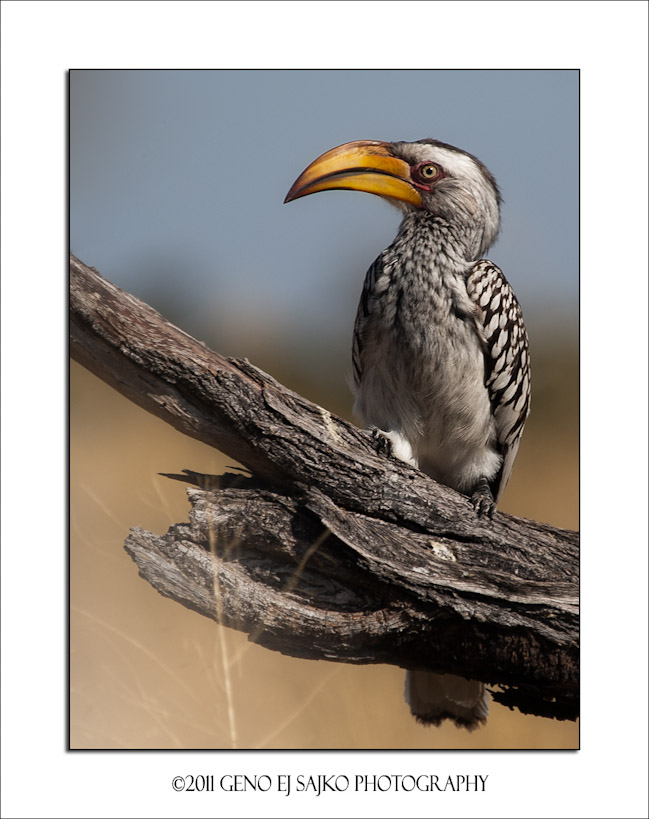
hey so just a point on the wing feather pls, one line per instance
(362, 315)
(507, 359)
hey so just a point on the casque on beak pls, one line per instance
(363, 165)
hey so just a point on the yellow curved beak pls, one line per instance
(364, 165)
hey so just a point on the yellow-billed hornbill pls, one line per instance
(440, 355)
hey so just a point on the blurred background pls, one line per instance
(177, 180)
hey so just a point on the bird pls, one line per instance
(440, 354)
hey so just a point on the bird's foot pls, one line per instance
(483, 499)
(382, 443)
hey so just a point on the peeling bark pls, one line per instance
(331, 550)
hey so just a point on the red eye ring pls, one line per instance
(425, 174)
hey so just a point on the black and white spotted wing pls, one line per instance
(369, 287)
(507, 360)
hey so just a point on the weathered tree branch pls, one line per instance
(332, 550)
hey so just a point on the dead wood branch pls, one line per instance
(332, 550)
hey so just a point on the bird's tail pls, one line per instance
(435, 697)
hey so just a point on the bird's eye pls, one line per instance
(425, 173)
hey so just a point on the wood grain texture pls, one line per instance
(332, 550)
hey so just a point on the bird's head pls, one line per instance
(428, 176)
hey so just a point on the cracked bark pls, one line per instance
(330, 550)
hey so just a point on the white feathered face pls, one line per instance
(453, 184)
(427, 175)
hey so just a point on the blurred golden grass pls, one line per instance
(147, 673)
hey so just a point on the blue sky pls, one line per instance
(177, 181)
